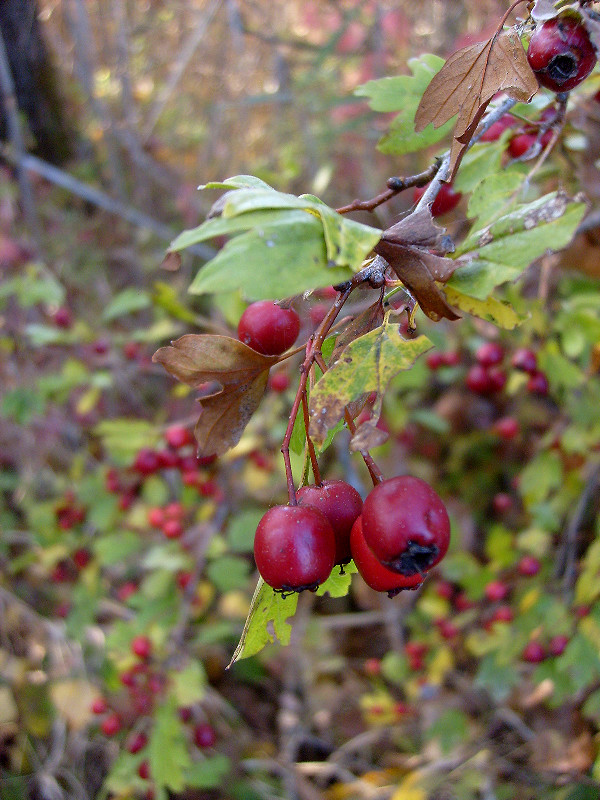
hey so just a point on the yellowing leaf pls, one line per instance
(410, 788)
(73, 700)
(491, 309)
(468, 81)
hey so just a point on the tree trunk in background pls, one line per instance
(35, 81)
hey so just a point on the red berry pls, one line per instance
(372, 570)
(406, 525)
(167, 459)
(478, 380)
(497, 128)
(141, 646)
(447, 199)
(521, 144)
(434, 360)
(156, 517)
(489, 354)
(318, 312)
(294, 548)
(99, 705)
(496, 591)
(266, 327)
(111, 724)
(341, 504)
(503, 614)
(146, 462)
(185, 714)
(62, 317)
(125, 591)
(447, 628)
(525, 360)
(144, 770)
(557, 645)
(82, 557)
(279, 382)
(534, 653)
(372, 667)
(132, 350)
(502, 503)
(172, 529)
(529, 566)
(177, 436)
(444, 589)
(451, 358)
(497, 378)
(183, 579)
(538, 384)
(561, 53)
(204, 735)
(101, 347)
(137, 743)
(506, 428)
(462, 602)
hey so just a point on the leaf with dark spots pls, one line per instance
(418, 270)
(370, 318)
(239, 371)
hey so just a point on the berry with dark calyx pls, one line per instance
(341, 504)
(447, 199)
(204, 735)
(561, 53)
(372, 570)
(141, 646)
(294, 548)
(529, 566)
(267, 328)
(406, 525)
(525, 360)
(534, 652)
(489, 354)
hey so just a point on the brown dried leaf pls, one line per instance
(367, 436)
(171, 262)
(468, 81)
(417, 228)
(240, 371)
(372, 317)
(419, 270)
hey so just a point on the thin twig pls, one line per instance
(309, 443)
(567, 560)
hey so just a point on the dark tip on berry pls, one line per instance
(562, 67)
(416, 559)
(287, 591)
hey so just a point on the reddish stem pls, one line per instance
(309, 442)
(395, 186)
(374, 471)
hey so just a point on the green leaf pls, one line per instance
(491, 195)
(502, 251)
(272, 262)
(126, 302)
(233, 225)
(338, 583)
(41, 335)
(268, 610)
(228, 573)
(123, 438)
(189, 685)
(491, 309)
(403, 93)
(394, 667)
(494, 676)
(450, 729)
(165, 296)
(208, 773)
(116, 547)
(541, 475)
(240, 533)
(561, 372)
(237, 182)
(366, 365)
(21, 405)
(481, 159)
(168, 749)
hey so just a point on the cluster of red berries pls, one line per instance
(488, 376)
(400, 532)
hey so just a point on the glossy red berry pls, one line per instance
(294, 548)
(146, 462)
(144, 770)
(204, 735)
(141, 646)
(172, 529)
(478, 380)
(178, 436)
(534, 652)
(279, 382)
(506, 428)
(489, 354)
(266, 327)
(341, 504)
(406, 525)
(561, 53)
(99, 705)
(372, 570)
(521, 144)
(447, 199)
(525, 360)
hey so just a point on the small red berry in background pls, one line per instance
(561, 53)
(132, 350)
(144, 770)
(177, 436)
(141, 646)
(538, 384)
(557, 645)
(496, 129)
(478, 380)
(506, 428)
(534, 653)
(525, 360)
(279, 381)
(204, 735)
(447, 199)
(62, 317)
(434, 360)
(111, 724)
(146, 462)
(521, 144)
(137, 743)
(503, 614)
(99, 705)
(529, 566)
(172, 529)
(496, 591)
(502, 503)
(156, 517)
(372, 667)
(267, 328)
(489, 354)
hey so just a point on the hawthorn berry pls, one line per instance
(447, 199)
(406, 525)
(558, 644)
(146, 462)
(496, 591)
(141, 646)
(99, 705)
(525, 360)
(561, 53)
(478, 380)
(538, 384)
(279, 382)
(341, 504)
(111, 724)
(529, 566)
(204, 735)
(534, 652)
(177, 436)
(267, 328)
(506, 428)
(372, 571)
(294, 548)
(489, 354)
(137, 743)
(62, 317)
(144, 770)
(521, 144)
(172, 529)
(496, 129)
